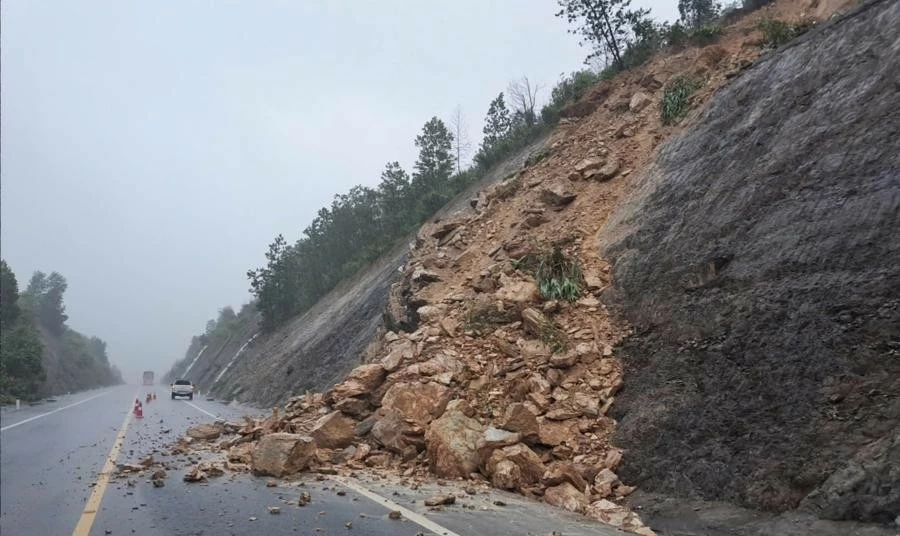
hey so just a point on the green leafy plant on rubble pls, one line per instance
(558, 277)
(676, 98)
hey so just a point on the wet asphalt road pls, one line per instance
(49, 465)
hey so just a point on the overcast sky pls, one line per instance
(152, 149)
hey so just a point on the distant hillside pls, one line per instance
(39, 354)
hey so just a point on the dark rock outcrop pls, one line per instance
(759, 261)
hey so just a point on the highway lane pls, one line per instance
(52, 456)
(48, 462)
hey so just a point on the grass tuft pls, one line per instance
(778, 32)
(558, 277)
(676, 98)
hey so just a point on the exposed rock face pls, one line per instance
(282, 454)
(864, 488)
(759, 260)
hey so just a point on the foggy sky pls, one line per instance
(152, 150)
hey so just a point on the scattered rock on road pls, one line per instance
(195, 475)
(439, 500)
(204, 432)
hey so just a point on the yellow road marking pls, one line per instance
(83, 528)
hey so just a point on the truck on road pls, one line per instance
(148, 377)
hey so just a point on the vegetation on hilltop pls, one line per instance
(365, 222)
(28, 322)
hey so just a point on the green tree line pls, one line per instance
(22, 316)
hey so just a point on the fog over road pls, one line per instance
(53, 455)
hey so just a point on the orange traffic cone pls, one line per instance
(138, 409)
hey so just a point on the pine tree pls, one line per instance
(496, 123)
(435, 163)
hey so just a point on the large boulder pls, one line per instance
(362, 380)
(431, 313)
(204, 432)
(589, 163)
(553, 433)
(531, 467)
(518, 418)
(564, 472)
(557, 196)
(282, 454)
(604, 482)
(355, 406)
(507, 475)
(398, 352)
(452, 443)
(394, 433)
(516, 291)
(442, 368)
(535, 322)
(493, 439)
(416, 401)
(639, 101)
(242, 453)
(444, 228)
(566, 496)
(333, 431)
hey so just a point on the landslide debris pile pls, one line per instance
(500, 366)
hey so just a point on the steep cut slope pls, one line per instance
(318, 348)
(486, 377)
(69, 369)
(759, 261)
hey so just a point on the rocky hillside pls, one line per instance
(689, 289)
(758, 261)
(70, 367)
(319, 347)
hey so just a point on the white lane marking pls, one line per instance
(418, 519)
(7, 427)
(198, 408)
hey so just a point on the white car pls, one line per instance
(183, 388)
